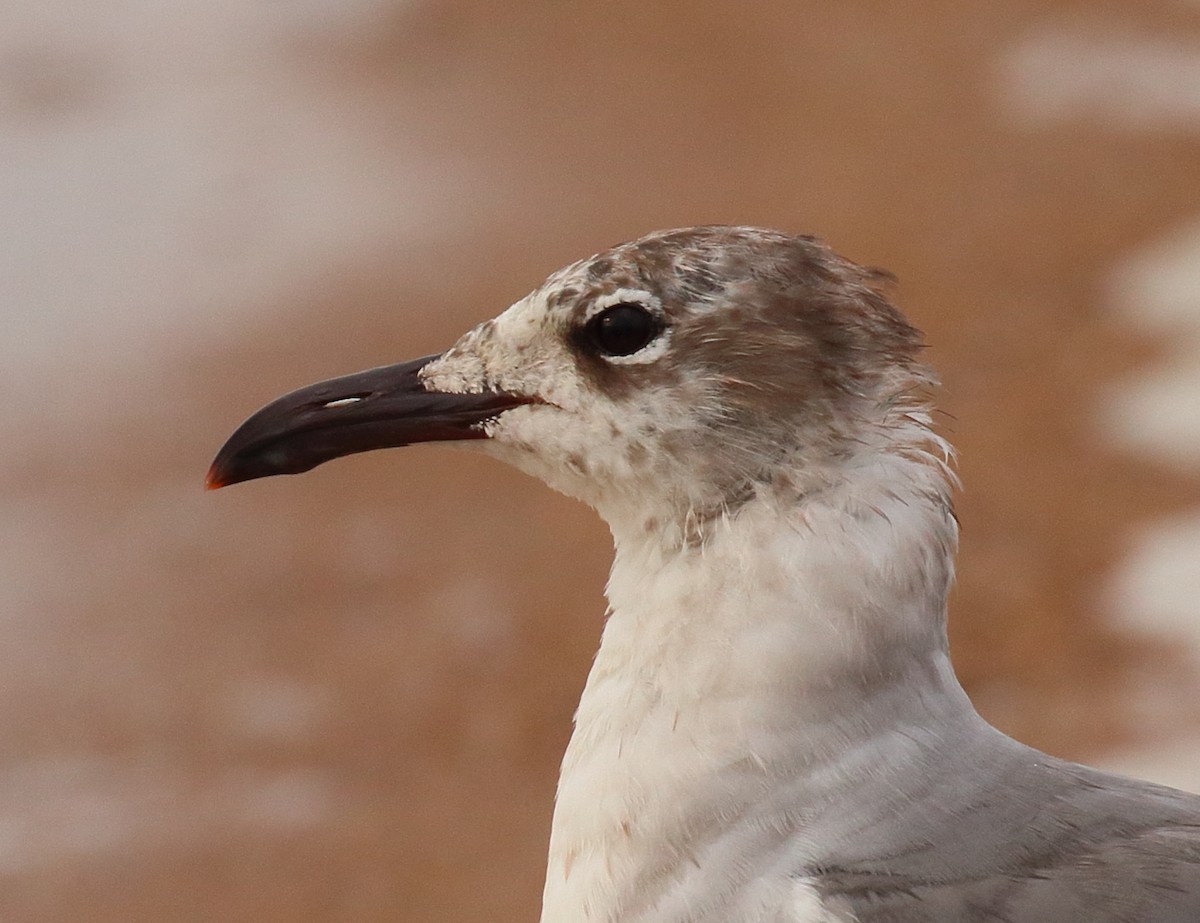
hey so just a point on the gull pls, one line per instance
(771, 731)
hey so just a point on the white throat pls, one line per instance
(747, 678)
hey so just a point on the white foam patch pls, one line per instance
(1135, 84)
(167, 170)
(75, 805)
(1159, 286)
(1156, 589)
(1157, 291)
(1157, 414)
(476, 614)
(275, 709)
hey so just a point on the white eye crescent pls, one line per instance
(626, 327)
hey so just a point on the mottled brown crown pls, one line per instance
(783, 314)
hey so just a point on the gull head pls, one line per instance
(666, 380)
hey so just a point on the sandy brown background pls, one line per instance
(343, 697)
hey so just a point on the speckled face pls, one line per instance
(683, 366)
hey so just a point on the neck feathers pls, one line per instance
(795, 630)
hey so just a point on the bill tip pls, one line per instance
(214, 479)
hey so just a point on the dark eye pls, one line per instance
(622, 329)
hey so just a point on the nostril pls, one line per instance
(343, 401)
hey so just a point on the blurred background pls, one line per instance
(343, 697)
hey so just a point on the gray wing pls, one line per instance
(1043, 841)
(1150, 878)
